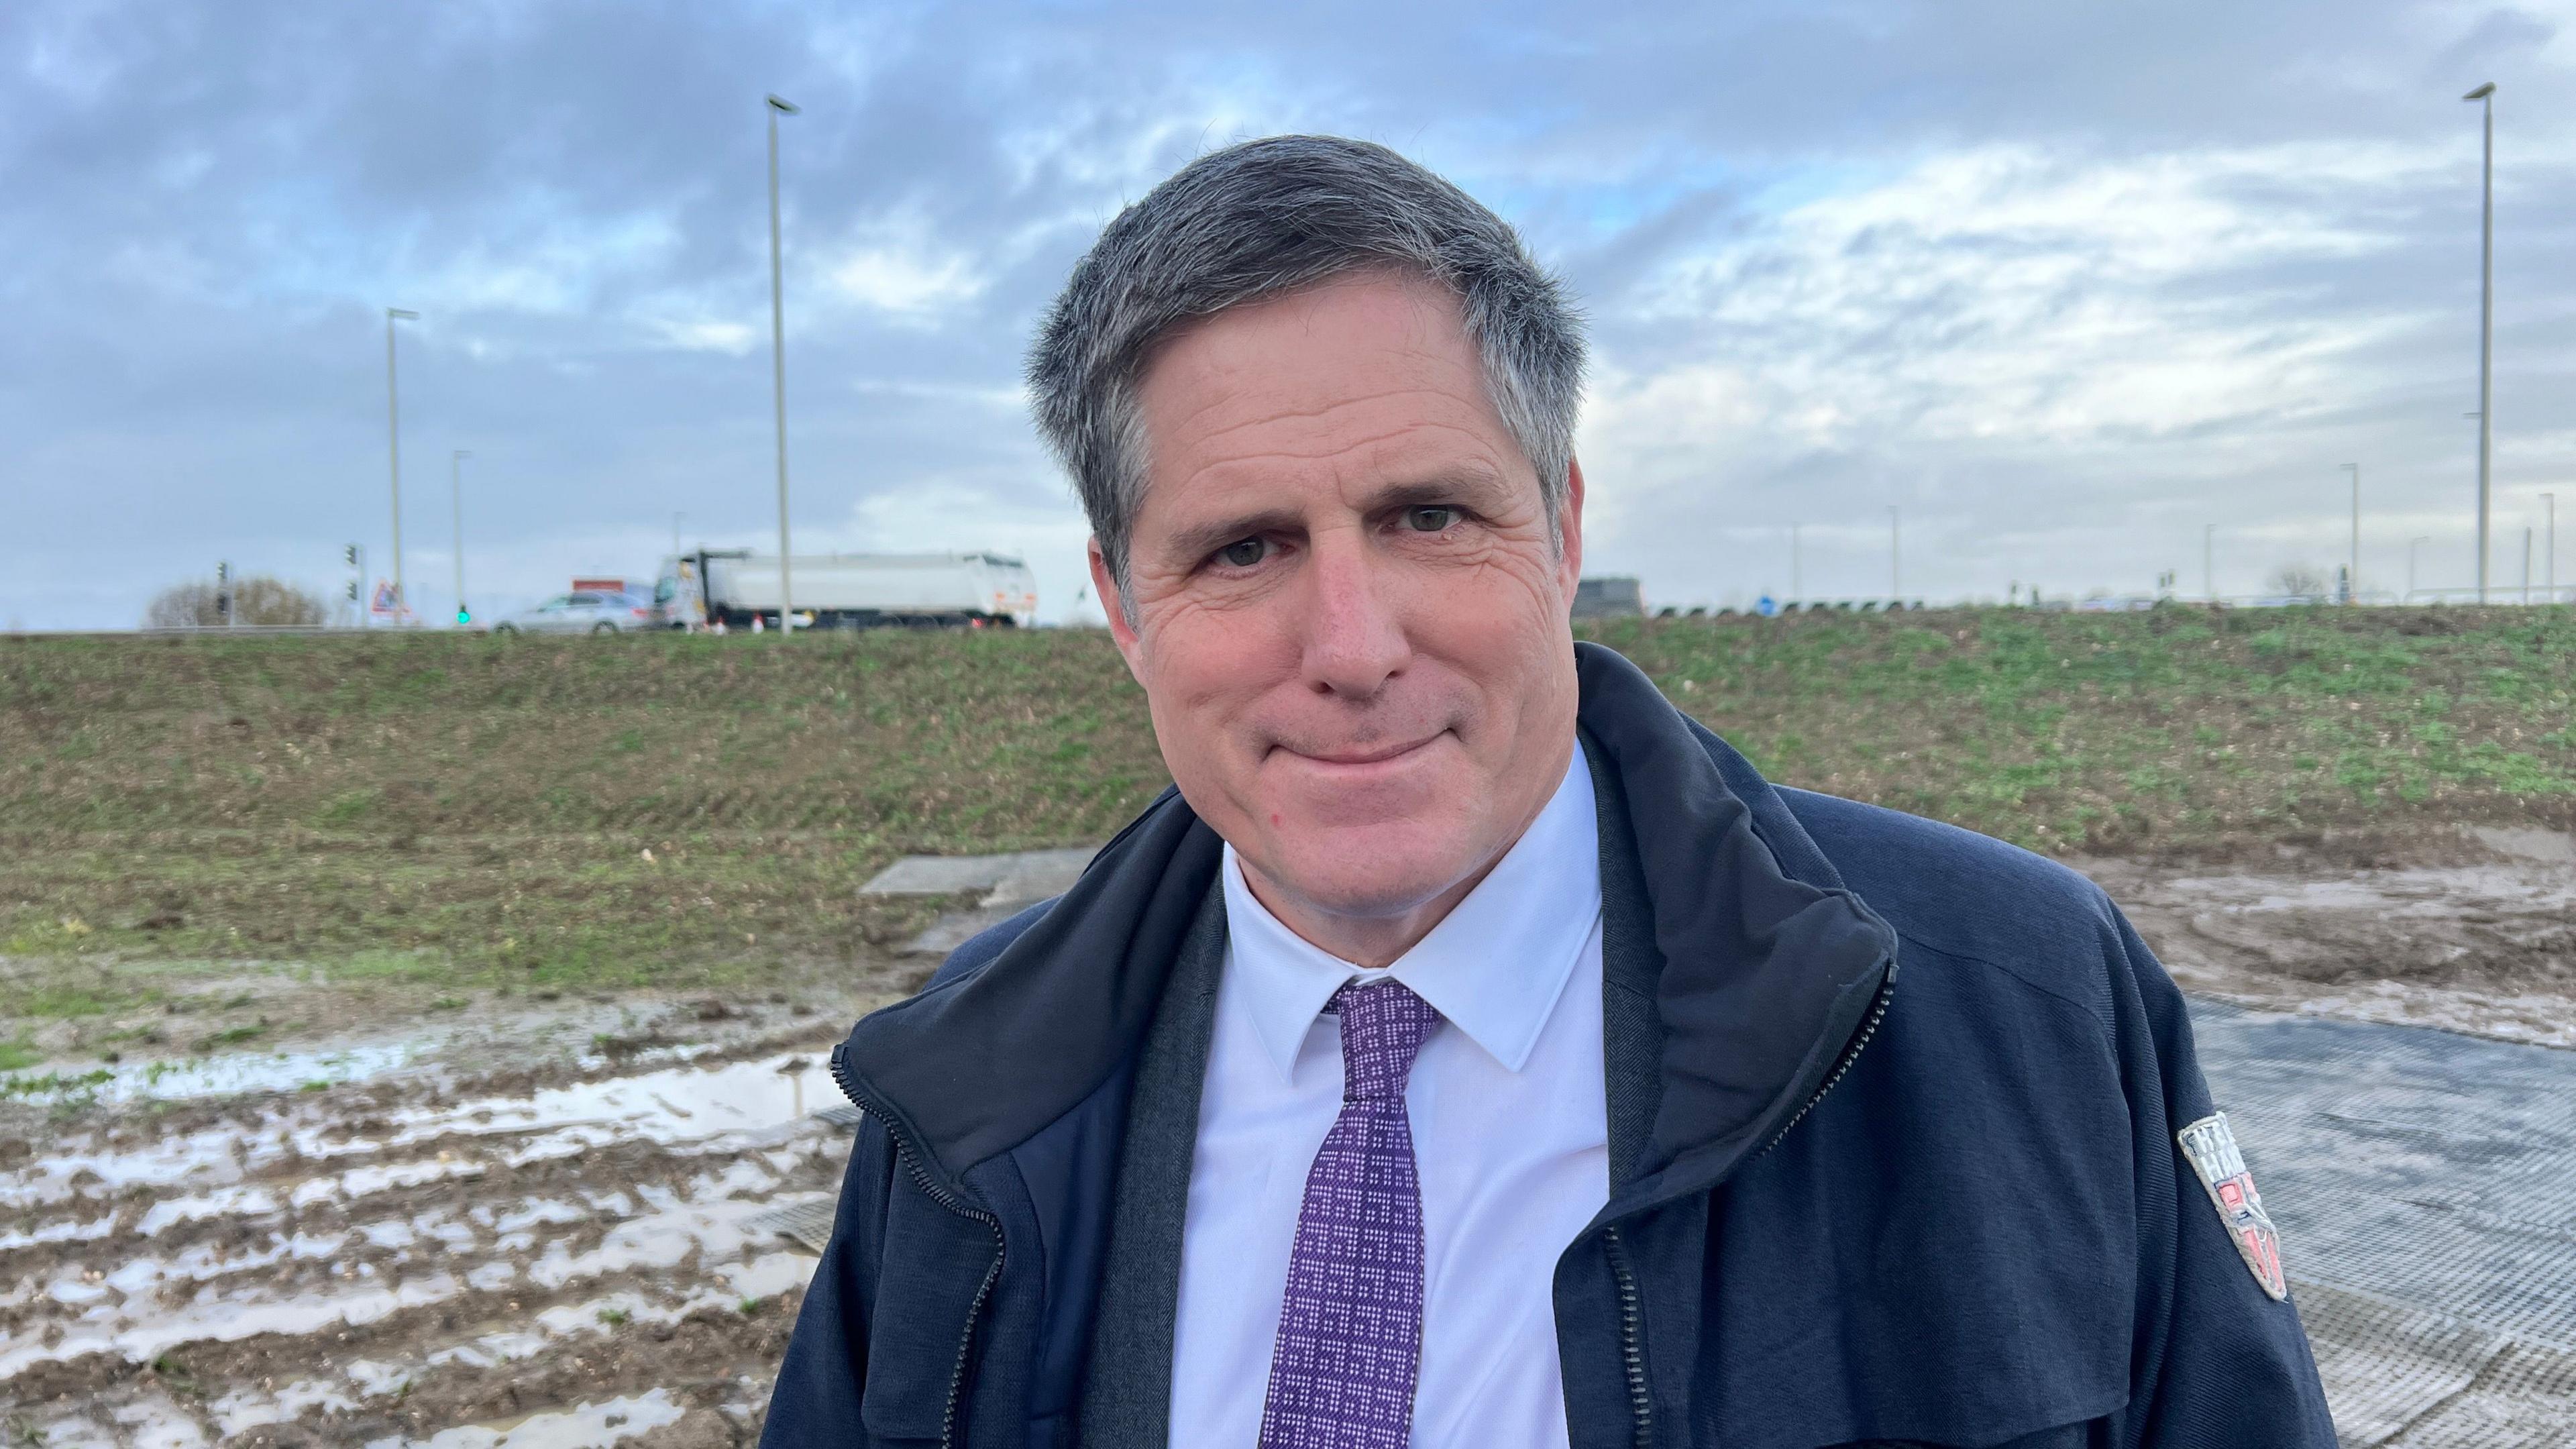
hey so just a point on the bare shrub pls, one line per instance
(2302, 581)
(256, 600)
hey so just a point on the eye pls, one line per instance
(1243, 553)
(1431, 518)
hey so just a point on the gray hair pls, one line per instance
(1268, 217)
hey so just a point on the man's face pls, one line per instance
(1350, 618)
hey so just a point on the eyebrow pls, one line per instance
(1201, 539)
(1462, 484)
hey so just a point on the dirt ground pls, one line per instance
(539, 1223)
(540, 1229)
(2472, 932)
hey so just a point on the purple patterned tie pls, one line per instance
(1350, 1329)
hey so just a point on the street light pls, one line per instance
(778, 362)
(2549, 502)
(2485, 96)
(456, 491)
(393, 444)
(1895, 557)
(2410, 564)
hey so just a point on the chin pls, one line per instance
(1382, 868)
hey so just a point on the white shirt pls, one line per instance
(1510, 1140)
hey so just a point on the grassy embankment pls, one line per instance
(535, 815)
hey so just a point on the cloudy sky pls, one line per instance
(2062, 283)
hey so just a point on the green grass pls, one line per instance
(2109, 732)
(56, 1085)
(538, 814)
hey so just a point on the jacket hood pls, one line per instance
(1768, 965)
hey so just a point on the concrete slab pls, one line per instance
(2544, 847)
(1020, 878)
(1038, 875)
(938, 875)
(1008, 884)
(955, 929)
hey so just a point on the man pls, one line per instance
(1470, 1049)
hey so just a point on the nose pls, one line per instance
(1355, 637)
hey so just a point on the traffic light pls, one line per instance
(353, 591)
(223, 571)
(463, 616)
(349, 554)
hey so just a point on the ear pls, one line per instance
(1114, 604)
(1569, 568)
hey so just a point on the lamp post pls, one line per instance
(393, 445)
(2410, 564)
(456, 493)
(778, 364)
(1895, 557)
(2549, 557)
(2485, 95)
(2352, 576)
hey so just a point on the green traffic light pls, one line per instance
(463, 617)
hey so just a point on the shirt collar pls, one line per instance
(1494, 966)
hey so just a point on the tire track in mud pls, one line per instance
(2474, 934)
(381, 1264)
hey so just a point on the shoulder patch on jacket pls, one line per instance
(2211, 1145)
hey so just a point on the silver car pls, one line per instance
(584, 611)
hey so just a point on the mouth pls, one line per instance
(1363, 755)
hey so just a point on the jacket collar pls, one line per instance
(1763, 966)
(1748, 969)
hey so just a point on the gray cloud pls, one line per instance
(2061, 282)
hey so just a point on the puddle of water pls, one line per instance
(245, 1072)
(675, 1104)
(239, 1073)
(679, 1104)
(238, 1413)
(156, 1423)
(222, 1075)
(222, 1318)
(710, 1217)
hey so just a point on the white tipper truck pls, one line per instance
(735, 587)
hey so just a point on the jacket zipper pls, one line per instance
(910, 1156)
(1632, 1348)
(1632, 1353)
(1851, 1053)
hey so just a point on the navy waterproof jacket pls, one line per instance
(1892, 1113)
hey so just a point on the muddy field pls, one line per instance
(542, 1224)
(2471, 931)
(543, 1231)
